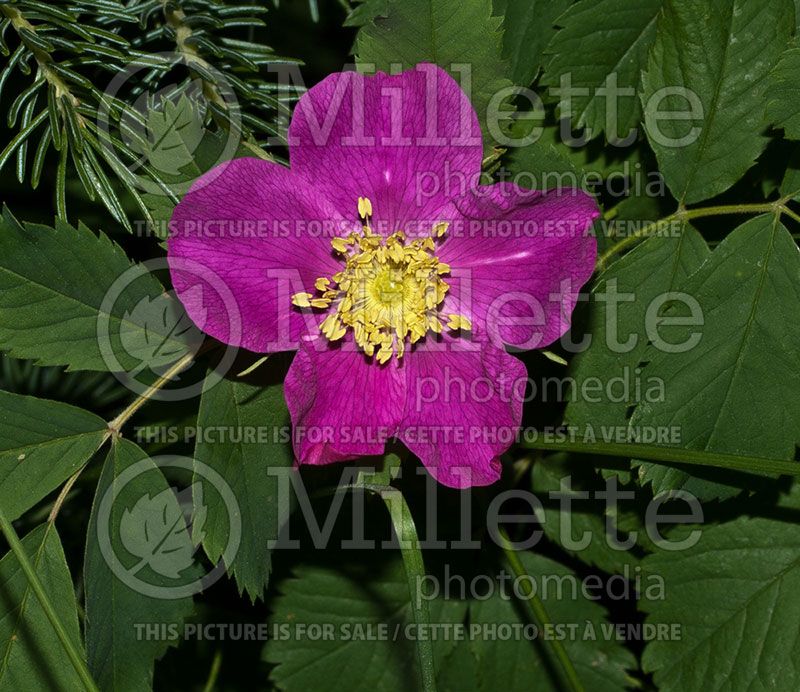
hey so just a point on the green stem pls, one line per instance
(688, 215)
(722, 209)
(405, 529)
(65, 491)
(663, 454)
(791, 214)
(539, 612)
(33, 580)
(213, 674)
(115, 425)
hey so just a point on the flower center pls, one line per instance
(389, 291)
(388, 286)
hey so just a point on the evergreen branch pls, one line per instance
(72, 49)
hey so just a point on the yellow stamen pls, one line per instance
(364, 207)
(458, 322)
(340, 245)
(389, 292)
(439, 229)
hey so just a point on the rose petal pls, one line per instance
(342, 404)
(462, 411)
(236, 281)
(519, 259)
(408, 142)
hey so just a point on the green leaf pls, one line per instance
(160, 208)
(31, 655)
(783, 95)
(528, 26)
(61, 178)
(352, 601)
(364, 11)
(602, 41)
(549, 159)
(253, 420)
(444, 32)
(607, 376)
(120, 653)
(154, 532)
(42, 443)
(459, 671)
(21, 137)
(713, 59)
(664, 454)
(790, 185)
(56, 305)
(555, 475)
(722, 392)
(521, 664)
(144, 328)
(545, 162)
(733, 597)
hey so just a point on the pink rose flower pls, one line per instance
(394, 273)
